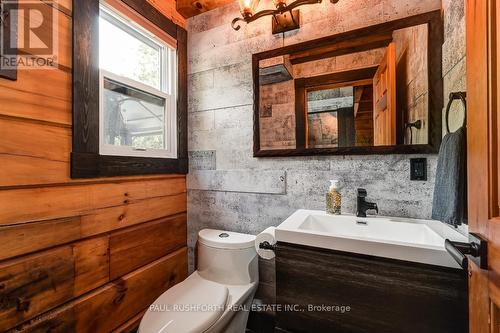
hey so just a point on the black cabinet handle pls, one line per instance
(476, 250)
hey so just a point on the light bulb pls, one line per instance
(248, 7)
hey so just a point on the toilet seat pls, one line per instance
(189, 307)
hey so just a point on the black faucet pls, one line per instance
(363, 205)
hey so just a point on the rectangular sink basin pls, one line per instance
(395, 238)
(380, 229)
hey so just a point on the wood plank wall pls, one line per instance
(76, 256)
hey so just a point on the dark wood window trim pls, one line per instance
(86, 162)
(436, 39)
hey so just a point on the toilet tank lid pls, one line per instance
(226, 239)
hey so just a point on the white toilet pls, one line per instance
(216, 297)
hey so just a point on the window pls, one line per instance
(129, 90)
(137, 95)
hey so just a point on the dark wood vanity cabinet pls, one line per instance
(383, 295)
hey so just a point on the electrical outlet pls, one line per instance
(418, 169)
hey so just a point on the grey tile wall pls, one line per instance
(454, 68)
(221, 124)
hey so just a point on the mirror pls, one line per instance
(334, 118)
(374, 90)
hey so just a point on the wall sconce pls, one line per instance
(284, 17)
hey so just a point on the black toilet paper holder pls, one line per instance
(267, 246)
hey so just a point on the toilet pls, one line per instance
(217, 296)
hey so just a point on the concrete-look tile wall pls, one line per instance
(412, 79)
(229, 188)
(454, 68)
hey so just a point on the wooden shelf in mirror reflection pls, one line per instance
(354, 45)
(394, 73)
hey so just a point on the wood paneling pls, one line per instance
(30, 237)
(115, 303)
(16, 170)
(131, 325)
(91, 259)
(63, 30)
(34, 284)
(133, 247)
(103, 220)
(31, 106)
(22, 238)
(60, 239)
(36, 140)
(43, 203)
(51, 83)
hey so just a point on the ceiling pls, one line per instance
(190, 8)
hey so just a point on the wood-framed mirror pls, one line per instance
(374, 90)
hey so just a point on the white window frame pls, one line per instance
(168, 92)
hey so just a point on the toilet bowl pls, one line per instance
(216, 297)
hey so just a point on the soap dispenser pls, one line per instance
(333, 198)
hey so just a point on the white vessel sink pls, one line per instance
(396, 238)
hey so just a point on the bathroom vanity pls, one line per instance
(352, 275)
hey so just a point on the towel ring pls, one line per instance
(461, 95)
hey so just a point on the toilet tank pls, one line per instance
(227, 257)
